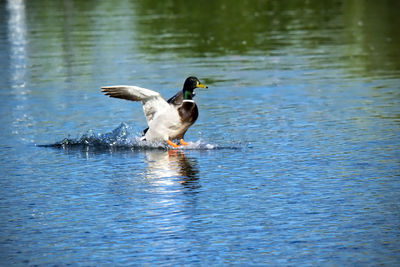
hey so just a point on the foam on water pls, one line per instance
(121, 138)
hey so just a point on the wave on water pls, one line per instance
(121, 138)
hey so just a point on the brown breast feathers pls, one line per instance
(188, 111)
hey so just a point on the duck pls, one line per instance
(167, 120)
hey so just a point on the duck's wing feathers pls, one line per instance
(152, 101)
(134, 93)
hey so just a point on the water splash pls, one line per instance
(122, 138)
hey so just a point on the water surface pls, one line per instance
(303, 99)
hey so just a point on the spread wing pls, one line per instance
(152, 101)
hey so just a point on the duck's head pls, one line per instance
(190, 84)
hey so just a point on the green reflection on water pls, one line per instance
(366, 31)
(372, 34)
(360, 35)
(225, 27)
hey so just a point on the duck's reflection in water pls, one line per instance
(169, 167)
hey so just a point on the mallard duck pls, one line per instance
(167, 120)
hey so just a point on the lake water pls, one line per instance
(294, 159)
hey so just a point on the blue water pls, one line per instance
(294, 160)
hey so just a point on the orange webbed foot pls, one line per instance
(183, 142)
(169, 142)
